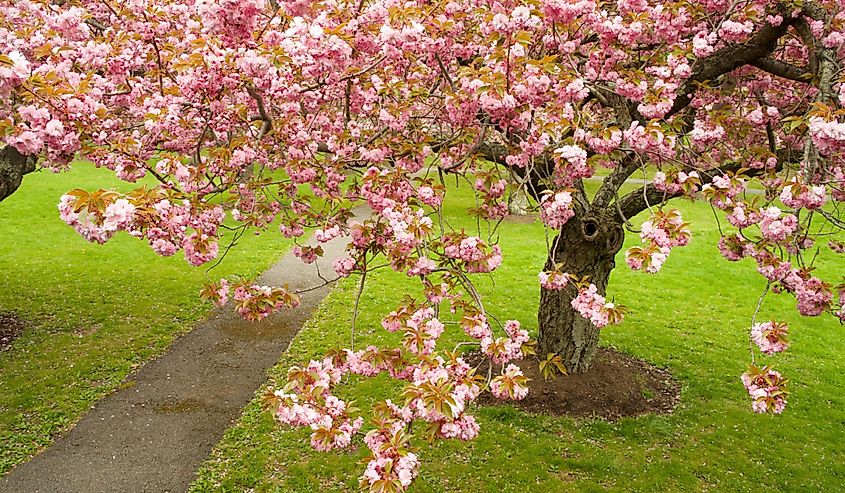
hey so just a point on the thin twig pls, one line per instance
(346, 77)
(355, 308)
(754, 319)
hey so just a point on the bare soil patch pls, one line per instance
(11, 327)
(618, 385)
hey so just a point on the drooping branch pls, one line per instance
(13, 166)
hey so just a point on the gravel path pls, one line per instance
(152, 435)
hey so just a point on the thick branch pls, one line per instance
(641, 199)
(729, 58)
(357, 74)
(755, 52)
(13, 165)
(626, 112)
(610, 185)
(827, 71)
(783, 69)
(809, 40)
(497, 153)
(534, 176)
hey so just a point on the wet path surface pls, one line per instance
(152, 435)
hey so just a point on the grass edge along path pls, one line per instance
(93, 313)
(154, 433)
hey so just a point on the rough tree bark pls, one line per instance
(585, 246)
(13, 165)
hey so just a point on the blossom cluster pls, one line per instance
(593, 306)
(664, 231)
(511, 384)
(677, 183)
(770, 337)
(93, 226)
(813, 295)
(473, 252)
(554, 280)
(504, 349)
(767, 389)
(556, 209)
(797, 195)
(167, 227)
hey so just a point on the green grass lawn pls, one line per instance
(95, 312)
(692, 317)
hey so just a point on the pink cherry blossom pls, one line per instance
(770, 337)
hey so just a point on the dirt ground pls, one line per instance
(617, 385)
(11, 327)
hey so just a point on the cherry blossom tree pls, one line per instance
(293, 112)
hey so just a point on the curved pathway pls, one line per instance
(152, 435)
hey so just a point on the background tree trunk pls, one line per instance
(519, 204)
(585, 246)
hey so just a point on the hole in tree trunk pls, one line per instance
(615, 239)
(590, 228)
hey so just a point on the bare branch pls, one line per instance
(262, 111)
(783, 69)
(346, 77)
(445, 72)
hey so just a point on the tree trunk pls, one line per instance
(13, 165)
(585, 247)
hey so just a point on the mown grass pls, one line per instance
(94, 312)
(692, 318)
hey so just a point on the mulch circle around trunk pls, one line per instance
(10, 328)
(617, 385)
